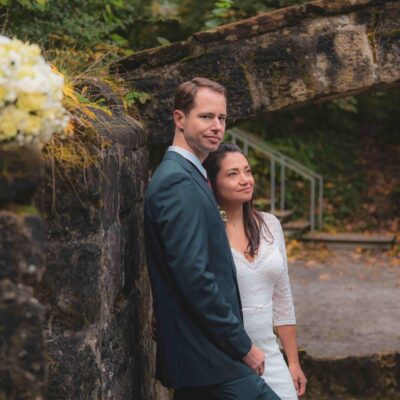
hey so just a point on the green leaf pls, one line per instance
(163, 41)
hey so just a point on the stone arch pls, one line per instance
(293, 56)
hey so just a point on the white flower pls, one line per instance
(30, 94)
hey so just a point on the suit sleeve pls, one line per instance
(182, 220)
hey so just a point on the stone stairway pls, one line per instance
(292, 228)
(300, 229)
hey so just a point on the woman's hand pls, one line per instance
(299, 379)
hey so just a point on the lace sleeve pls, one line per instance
(283, 308)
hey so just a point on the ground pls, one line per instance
(347, 301)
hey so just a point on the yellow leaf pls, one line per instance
(69, 129)
(70, 92)
(88, 112)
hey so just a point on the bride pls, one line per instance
(258, 249)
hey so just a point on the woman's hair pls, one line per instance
(252, 218)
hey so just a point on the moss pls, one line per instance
(21, 209)
(371, 36)
(393, 33)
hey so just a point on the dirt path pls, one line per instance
(347, 302)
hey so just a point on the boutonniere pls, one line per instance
(223, 215)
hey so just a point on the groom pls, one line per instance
(203, 351)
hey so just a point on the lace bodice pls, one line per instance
(266, 279)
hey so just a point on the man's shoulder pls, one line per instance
(168, 174)
(169, 169)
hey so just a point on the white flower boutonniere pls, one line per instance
(223, 215)
(30, 94)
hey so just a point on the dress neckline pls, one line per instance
(258, 256)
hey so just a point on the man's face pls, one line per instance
(203, 127)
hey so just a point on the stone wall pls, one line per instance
(22, 316)
(293, 56)
(95, 285)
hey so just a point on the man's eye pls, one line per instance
(206, 116)
(222, 119)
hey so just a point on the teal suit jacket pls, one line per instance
(200, 334)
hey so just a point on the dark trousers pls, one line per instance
(250, 387)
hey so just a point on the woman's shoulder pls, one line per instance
(273, 225)
(270, 218)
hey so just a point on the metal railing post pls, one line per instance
(283, 185)
(312, 205)
(272, 185)
(321, 202)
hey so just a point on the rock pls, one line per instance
(95, 287)
(21, 169)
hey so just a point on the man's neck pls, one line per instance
(183, 145)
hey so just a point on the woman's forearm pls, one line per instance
(287, 336)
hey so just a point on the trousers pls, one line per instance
(249, 387)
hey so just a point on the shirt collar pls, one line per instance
(190, 157)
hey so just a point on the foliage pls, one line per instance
(220, 14)
(134, 24)
(84, 23)
(131, 97)
(28, 4)
(356, 151)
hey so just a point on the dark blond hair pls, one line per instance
(185, 94)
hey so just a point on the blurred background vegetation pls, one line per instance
(353, 142)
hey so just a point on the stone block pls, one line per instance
(21, 257)
(74, 368)
(22, 357)
(71, 285)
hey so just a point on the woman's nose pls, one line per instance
(244, 179)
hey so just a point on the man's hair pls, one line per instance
(185, 94)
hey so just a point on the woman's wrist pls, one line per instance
(293, 363)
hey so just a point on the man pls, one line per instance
(203, 350)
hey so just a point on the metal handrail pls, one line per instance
(316, 180)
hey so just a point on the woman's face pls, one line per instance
(234, 182)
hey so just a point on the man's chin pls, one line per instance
(213, 147)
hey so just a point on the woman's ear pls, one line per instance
(179, 119)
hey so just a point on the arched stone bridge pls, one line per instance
(302, 54)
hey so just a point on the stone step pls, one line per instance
(345, 240)
(368, 377)
(295, 228)
(283, 215)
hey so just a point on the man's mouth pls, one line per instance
(213, 139)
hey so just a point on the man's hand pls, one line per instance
(255, 359)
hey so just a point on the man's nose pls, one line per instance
(217, 124)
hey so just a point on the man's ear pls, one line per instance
(179, 119)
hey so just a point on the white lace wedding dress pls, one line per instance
(267, 301)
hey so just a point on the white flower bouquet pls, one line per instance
(30, 95)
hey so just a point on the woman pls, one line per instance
(258, 250)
